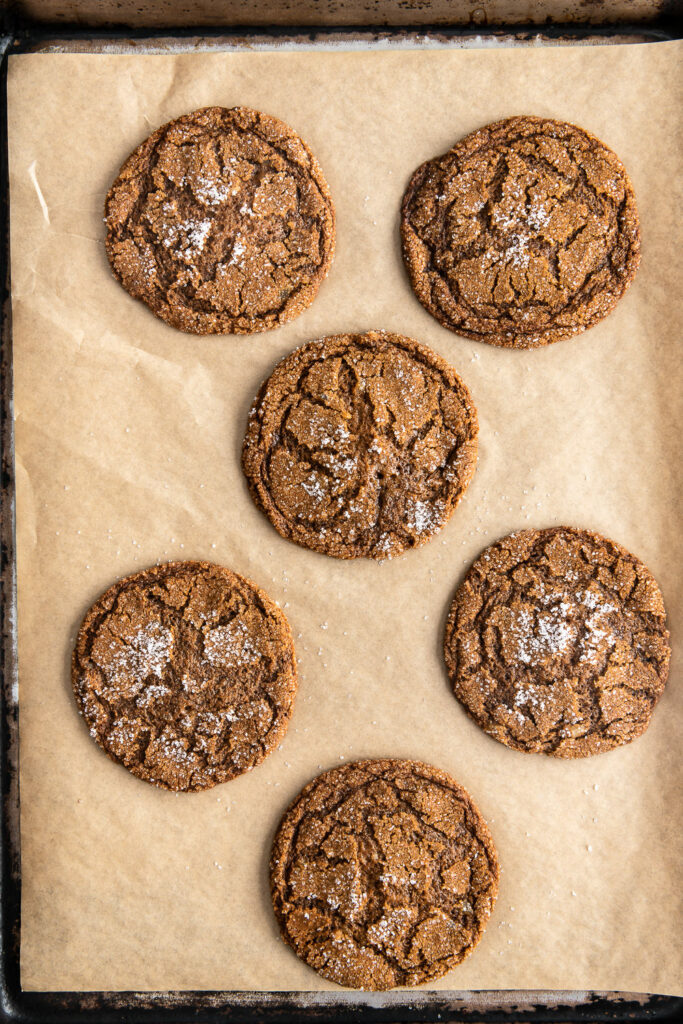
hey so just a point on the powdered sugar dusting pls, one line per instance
(147, 653)
(424, 517)
(186, 238)
(153, 693)
(238, 250)
(197, 234)
(546, 635)
(553, 631)
(231, 646)
(599, 631)
(313, 488)
(213, 191)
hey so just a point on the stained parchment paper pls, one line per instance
(128, 440)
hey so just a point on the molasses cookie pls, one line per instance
(383, 873)
(524, 233)
(185, 674)
(556, 643)
(221, 222)
(360, 445)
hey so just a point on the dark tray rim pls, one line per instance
(35, 39)
(204, 1007)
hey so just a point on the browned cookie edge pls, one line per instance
(103, 605)
(252, 459)
(377, 768)
(216, 323)
(478, 568)
(412, 246)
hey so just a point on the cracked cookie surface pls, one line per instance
(221, 222)
(383, 873)
(185, 674)
(524, 233)
(556, 643)
(360, 445)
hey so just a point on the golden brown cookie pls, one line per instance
(556, 643)
(523, 233)
(185, 674)
(383, 873)
(221, 222)
(360, 445)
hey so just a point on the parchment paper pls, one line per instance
(128, 440)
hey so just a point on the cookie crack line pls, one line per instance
(221, 222)
(185, 674)
(556, 643)
(351, 790)
(371, 469)
(526, 232)
(360, 445)
(349, 832)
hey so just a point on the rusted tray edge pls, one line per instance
(51, 39)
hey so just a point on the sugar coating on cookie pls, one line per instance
(524, 233)
(556, 643)
(185, 674)
(383, 873)
(361, 445)
(221, 222)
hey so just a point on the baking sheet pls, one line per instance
(128, 438)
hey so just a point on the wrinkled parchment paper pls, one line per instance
(128, 440)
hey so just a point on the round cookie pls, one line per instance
(360, 445)
(556, 643)
(185, 674)
(524, 233)
(383, 873)
(221, 222)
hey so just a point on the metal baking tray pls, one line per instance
(67, 33)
